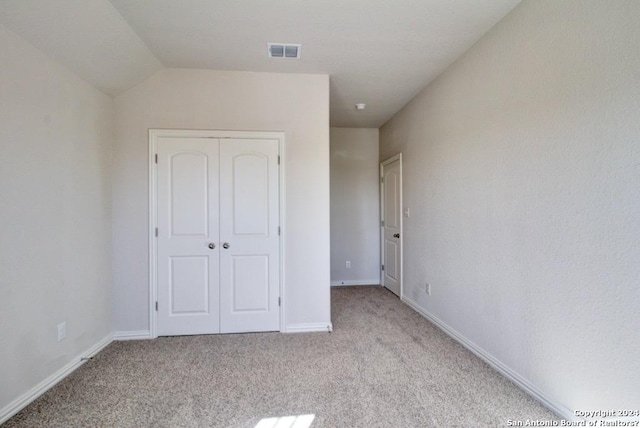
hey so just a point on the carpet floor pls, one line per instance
(383, 366)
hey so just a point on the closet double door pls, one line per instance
(218, 243)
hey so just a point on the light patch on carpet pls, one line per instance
(300, 421)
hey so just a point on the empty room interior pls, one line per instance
(297, 213)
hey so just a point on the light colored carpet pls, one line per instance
(383, 366)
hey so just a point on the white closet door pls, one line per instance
(249, 236)
(188, 222)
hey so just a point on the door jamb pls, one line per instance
(394, 158)
(154, 134)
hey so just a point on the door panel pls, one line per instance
(391, 192)
(392, 226)
(250, 283)
(188, 199)
(391, 257)
(249, 268)
(189, 285)
(187, 219)
(250, 175)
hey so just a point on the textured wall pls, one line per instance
(55, 216)
(522, 166)
(297, 104)
(355, 209)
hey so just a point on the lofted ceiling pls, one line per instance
(379, 52)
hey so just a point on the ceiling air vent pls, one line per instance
(282, 50)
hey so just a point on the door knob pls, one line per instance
(396, 235)
(212, 246)
(225, 245)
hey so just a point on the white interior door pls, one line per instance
(249, 236)
(187, 220)
(392, 226)
(218, 240)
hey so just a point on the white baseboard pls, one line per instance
(132, 335)
(309, 328)
(499, 366)
(356, 282)
(25, 399)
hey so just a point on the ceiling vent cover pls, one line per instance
(282, 50)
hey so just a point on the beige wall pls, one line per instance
(355, 209)
(203, 99)
(55, 220)
(521, 170)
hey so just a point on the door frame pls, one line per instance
(392, 159)
(154, 134)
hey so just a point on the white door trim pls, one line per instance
(397, 157)
(154, 134)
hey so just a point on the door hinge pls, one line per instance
(381, 179)
(156, 305)
(156, 232)
(279, 301)
(278, 230)
(382, 223)
(278, 159)
(382, 267)
(156, 158)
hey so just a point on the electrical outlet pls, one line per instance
(62, 331)
(348, 264)
(427, 288)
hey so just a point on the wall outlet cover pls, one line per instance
(62, 331)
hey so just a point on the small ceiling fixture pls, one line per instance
(360, 106)
(284, 50)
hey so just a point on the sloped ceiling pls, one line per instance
(89, 37)
(379, 52)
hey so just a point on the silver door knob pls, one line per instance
(396, 235)
(225, 245)
(212, 246)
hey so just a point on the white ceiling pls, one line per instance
(380, 52)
